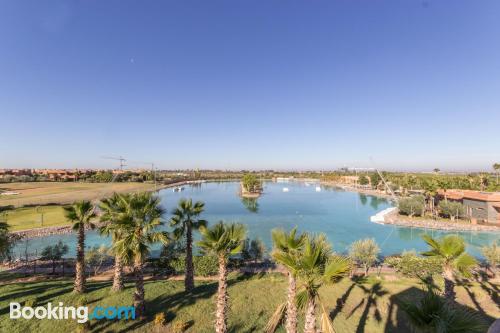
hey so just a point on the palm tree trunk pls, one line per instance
(139, 289)
(220, 320)
(80, 261)
(449, 284)
(118, 277)
(310, 324)
(189, 278)
(291, 306)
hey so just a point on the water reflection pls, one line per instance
(376, 201)
(363, 198)
(250, 204)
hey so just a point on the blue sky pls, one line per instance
(251, 84)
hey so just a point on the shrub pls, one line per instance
(363, 180)
(205, 265)
(451, 209)
(96, 256)
(410, 264)
(412, 206)
(54, 253)
(170, 256)
(492, 255)
(375, 179)
(253, 249)
(159, 319)
(364, 252)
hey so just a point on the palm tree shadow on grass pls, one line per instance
(397, 320)
(472, 297)
(40, 300)
(30, 290)
(238, 328)
(373, 293)
(356, 280)
(491, 290)
(169, 304)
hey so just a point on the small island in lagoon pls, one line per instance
(250, 186)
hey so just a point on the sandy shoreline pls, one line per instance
(350, 188)
(390, 216)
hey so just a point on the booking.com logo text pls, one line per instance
(80, 313)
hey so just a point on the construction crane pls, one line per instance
(388, 188)
(119, 158)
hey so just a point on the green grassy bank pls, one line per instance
(369, 306)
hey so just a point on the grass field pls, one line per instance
(32, 217)
(42, 193)
(371, 306)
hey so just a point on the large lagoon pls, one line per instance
(343, 216)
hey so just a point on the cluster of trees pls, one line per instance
(474, 181)
(412, 206)
(405, 182)
(251, 183)
(311, 263)
(133, 221)
(101, 176)
(417, 205)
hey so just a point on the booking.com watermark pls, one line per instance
(81, 314)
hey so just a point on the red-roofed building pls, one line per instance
(479, 206)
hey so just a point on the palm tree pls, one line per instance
(451, 251)
(315, 266)
(185, 220)
(80, 214)
(138, 230)
(444, 184)
(483, 180)
(496, 167)
(432, 314)
(430, 189)
(223, 240)
(113, 209)
(288, 245)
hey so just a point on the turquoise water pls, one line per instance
(343, 216)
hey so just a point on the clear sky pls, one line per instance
(250, 84)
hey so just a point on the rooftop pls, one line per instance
(469, 194)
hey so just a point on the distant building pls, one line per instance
(479, 206)
(15, 172)
(57, 174)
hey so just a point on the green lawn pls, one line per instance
(367, 307)
(43, 193)
(31, 217)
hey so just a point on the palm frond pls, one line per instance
(434, 314)
(435, 246)
(337, 268)
(464, 264)
(326, 323)
(276, 319)
(301, 299)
